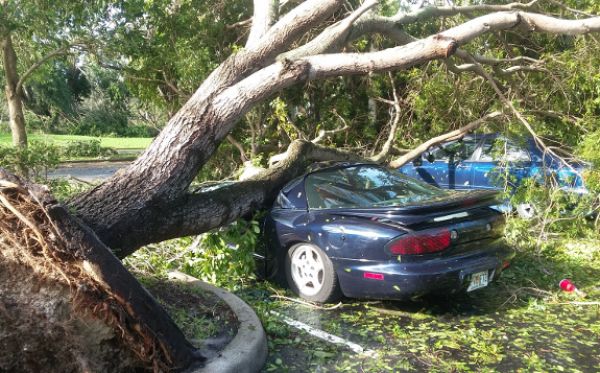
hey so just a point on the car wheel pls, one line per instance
(310, 274)
(526, 210)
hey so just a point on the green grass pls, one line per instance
(108, 142)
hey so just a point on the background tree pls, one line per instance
(35, 32)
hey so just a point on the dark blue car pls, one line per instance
(365, 231)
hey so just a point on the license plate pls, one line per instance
(478, 280)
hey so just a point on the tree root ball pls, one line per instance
(67, 303)
(40, 331)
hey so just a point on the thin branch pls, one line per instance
(323, 134)
(169, 84)
(388, 145)
(506, 102)
(243, 23)
(485, 60)
(574, 11)
(457, 69)
(452, 135)
(239, 147)
(558, 115)
(40, 62)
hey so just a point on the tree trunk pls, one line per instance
(13, 96)
(125, 210)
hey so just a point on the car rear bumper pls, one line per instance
(396, 280)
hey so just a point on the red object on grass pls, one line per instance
(567, 285)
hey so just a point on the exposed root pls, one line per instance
(29, 237)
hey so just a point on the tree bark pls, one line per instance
(13, 95)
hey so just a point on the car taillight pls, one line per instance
(423, 242)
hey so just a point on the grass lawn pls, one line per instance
(108, 142)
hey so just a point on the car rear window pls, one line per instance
(365, 186)
(455, 150)
(502, 150)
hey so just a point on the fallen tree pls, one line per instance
(151, 201)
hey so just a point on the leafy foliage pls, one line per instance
(38, 158)
(90, 148)
(223, 257)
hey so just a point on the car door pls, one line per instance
(500, 163)
(460, 163)
(422, 168)
(446, 165)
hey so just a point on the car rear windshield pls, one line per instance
(365, 186)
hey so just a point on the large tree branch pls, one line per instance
(452, 135)
(359, 24)
(204, 210)
(295, 24)
(265, 14)
(275, 40)
(331, 37)
(57, 52)
(429, 12)
(280, 75)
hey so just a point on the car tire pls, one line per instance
(310, 274)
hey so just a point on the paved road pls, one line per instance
(87, 171)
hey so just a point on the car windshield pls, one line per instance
(366, 186)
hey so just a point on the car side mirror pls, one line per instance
(430, 158)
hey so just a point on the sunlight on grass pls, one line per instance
(60, 140)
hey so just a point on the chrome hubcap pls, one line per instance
(307, 270)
